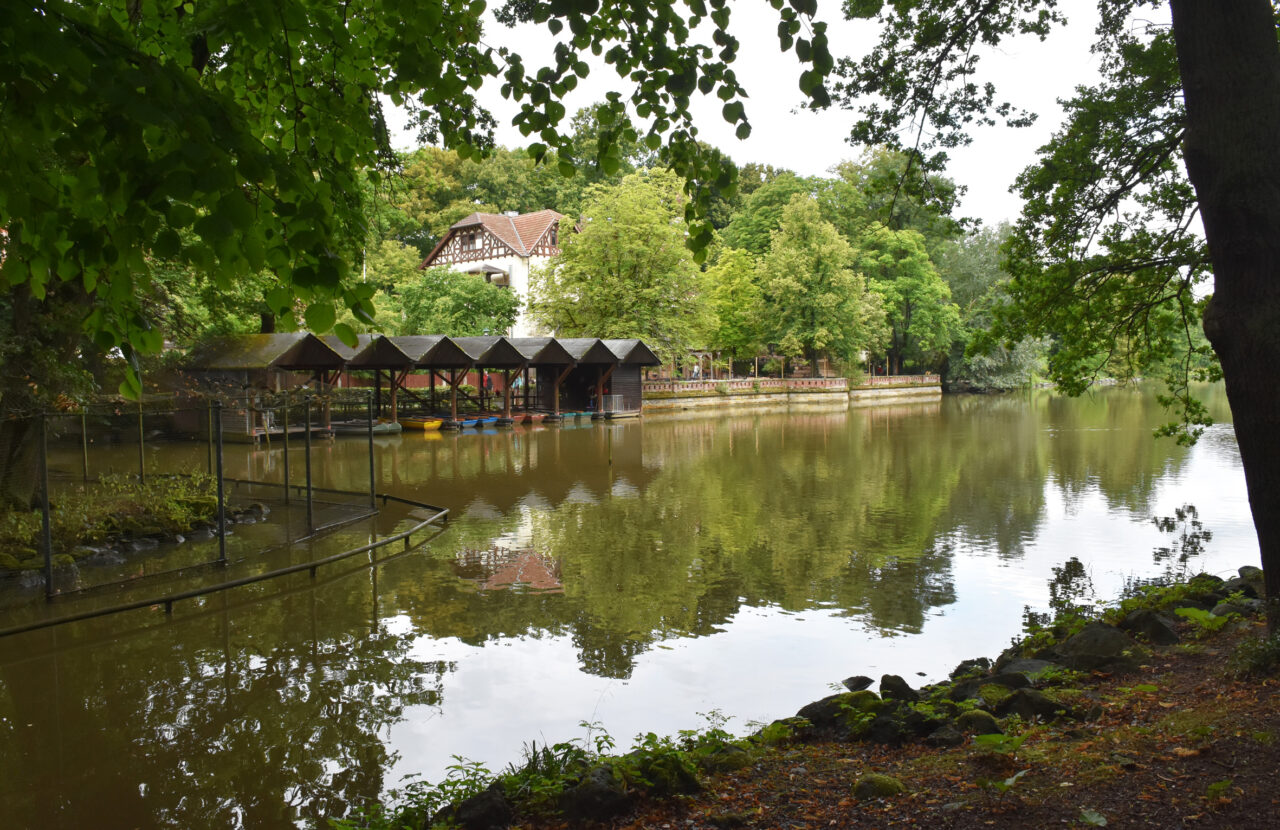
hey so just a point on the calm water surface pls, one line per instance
(631, 575)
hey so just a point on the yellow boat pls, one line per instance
(423, 422)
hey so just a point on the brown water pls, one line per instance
(632, 575)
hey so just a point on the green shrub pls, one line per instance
(113, 506)
(1255, 657)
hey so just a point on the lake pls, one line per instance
(637, 576)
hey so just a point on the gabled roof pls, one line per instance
(519, 233)
(347, 352)
(376, 352)
(588, 349)
(490, 352)
(428, 350)
(541, 351)
(298, 350)
(632, 351)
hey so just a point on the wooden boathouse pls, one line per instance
(498, 379)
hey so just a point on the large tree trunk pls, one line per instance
(1230, 66)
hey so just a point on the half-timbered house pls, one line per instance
(501, 249)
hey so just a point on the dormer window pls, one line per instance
(469, 241)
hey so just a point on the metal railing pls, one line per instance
(167, 600)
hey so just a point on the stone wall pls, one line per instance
(783, 400)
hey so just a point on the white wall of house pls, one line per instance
(518, 268)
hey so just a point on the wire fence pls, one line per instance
(114, 493)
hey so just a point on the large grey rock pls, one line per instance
(978, 722)
(944, 736)
(976, 665)
(832, 710)
(1243, 607)
(893, 687)
(1029, 704)
(874, 785)
(1242, 586)
(1009, 679)
(888, 730)
(725, 758)
(488, 810)
(1029, 667)
(1100, 647)
(599, 796)
(1152, 626)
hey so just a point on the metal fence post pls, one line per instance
(222, 502)
(210, 453)
(84, 443)
(373, 487)
(306, 434)
(46, 530)
(284, 423)
(142, 448)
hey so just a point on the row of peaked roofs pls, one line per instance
(303, 351)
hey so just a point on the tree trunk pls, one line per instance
(1230, 67)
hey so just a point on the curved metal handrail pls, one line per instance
(169, 599)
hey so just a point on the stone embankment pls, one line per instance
(663, 396)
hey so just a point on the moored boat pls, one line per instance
(362, 427)
(422, 422)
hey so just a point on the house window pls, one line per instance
(469, 241)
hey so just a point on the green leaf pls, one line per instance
(320, 317)
(1092, 817)
(862, 9)
(346, 334)
(167, 244)
(131, 387)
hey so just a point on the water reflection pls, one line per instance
(630, 573)
(257, 715)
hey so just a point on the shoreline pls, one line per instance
(997, 726)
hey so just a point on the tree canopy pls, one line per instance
(232, 137)
(1181, 131)
(627, 271)
(917, 302)
(819, 304)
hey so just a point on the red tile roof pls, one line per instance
(519, 233)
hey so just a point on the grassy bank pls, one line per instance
(1158, 711)
(103, 513)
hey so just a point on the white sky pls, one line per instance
(1026, 72)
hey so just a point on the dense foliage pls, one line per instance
(627, 271)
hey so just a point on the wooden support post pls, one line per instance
(395, 392)
(556, 392)
(602, 378)
(453, 394)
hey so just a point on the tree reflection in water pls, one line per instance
(609, 544)
(268, 713)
